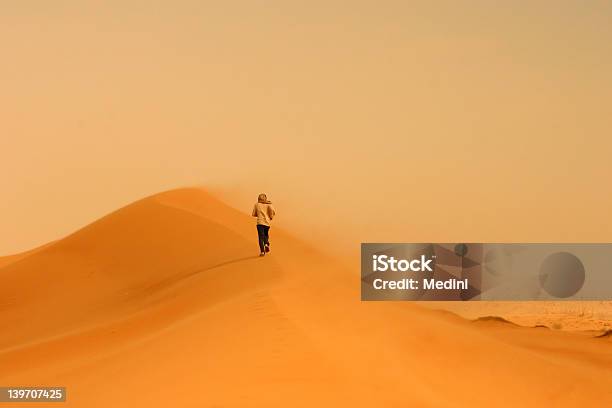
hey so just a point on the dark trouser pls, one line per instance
(262, 232)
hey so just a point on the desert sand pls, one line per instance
(567, 315)
(165, 303)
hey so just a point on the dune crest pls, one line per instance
(165, 303)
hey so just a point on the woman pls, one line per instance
(264, 212)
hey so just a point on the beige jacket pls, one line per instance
(264, 213)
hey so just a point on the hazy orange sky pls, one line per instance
(363, 121)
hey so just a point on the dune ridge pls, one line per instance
(165, 303)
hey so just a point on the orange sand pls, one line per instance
(165, 303)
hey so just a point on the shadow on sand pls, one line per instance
(181, 277)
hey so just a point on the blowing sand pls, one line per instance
(166, 303)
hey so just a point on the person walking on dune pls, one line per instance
(264, 212)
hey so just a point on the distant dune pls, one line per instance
(567, 315)
(165, 303)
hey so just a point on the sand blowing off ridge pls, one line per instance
(161, 304)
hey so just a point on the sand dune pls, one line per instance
(165, 303)
(582, 316)
(9, 259)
